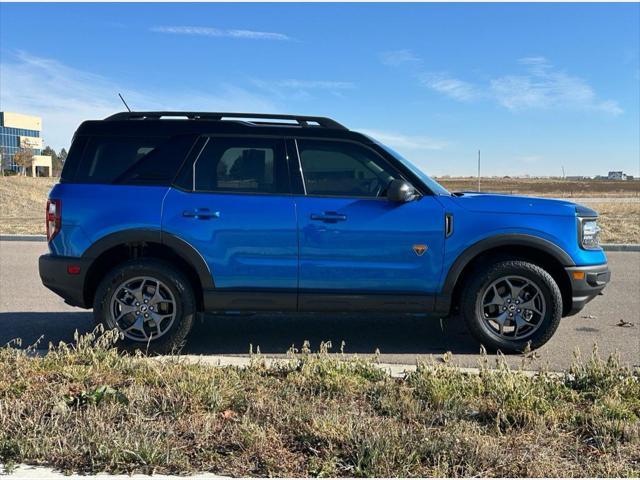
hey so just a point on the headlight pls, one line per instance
(589, 233)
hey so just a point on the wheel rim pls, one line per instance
(511, 308)
(143, 309)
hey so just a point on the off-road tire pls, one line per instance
(178, 284)
(483, 277)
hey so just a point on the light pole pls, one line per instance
(478, 170)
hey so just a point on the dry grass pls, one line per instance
(545, 187)
(620, 221)
(26, 198)
(23, 201)
(89, 409)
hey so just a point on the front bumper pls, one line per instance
(56, 277)
(586, 283)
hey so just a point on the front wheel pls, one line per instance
(150, 302)
(512, 305)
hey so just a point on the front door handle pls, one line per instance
(201, 214)
(328, 217)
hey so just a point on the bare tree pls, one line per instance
(23, 159)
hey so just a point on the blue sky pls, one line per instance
(534, 86)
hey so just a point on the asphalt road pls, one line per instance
(29, 311)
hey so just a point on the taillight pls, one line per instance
(54, 218)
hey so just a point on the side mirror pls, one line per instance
(401, 191)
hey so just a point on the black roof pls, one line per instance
(184, 123)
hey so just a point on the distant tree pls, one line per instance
(56, 163)
(50, 152)
(63, 155)
(23, 158)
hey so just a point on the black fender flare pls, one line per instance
(502, 240)
(141, 235)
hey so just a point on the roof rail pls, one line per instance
(301, 120)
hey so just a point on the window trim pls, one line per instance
(195, 162)
(277, 138)
(399, 173)
(304, 185)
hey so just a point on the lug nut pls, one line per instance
(146, 315)
(518, 310)
(137, 312)
(137, 304)
(146, 301)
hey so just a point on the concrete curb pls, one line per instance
(28, 472)
(7, 237)
(621, 247)
(395, 370)
(607, 247)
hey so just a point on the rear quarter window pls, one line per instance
(132, 160)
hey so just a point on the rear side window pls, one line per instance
(242, 165)
(107, 158)
(159, 166)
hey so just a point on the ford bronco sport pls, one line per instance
(161, 215)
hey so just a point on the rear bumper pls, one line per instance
(586, 283)
(55, 276)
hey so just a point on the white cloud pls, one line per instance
(405, 142)
(394, 58)
(65, 96)
(302, 89)
(217, 32)
(449, 86)
(541, 86)
(544, 87)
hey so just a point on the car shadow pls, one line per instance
(272, 334)
(43, 327)
(361, 333)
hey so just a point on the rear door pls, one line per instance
(233, 204)
(358, 250)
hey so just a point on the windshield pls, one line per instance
(434, 186)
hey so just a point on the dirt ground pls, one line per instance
(545, 187)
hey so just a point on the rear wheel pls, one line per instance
(512, 304)
(150, 302)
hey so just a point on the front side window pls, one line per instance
(336, 168)
(242, 165)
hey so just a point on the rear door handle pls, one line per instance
(201, 214)
(328, 217)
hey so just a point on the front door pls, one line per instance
(357, 249)
(237, 212)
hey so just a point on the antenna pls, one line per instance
(125, 103)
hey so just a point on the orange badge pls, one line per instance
(419, 249)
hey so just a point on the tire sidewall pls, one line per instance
(173, 279)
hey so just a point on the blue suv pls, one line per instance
(161, 215)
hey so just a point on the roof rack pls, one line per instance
(301, 120)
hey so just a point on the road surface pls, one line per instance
(28, 311)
